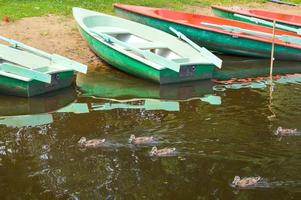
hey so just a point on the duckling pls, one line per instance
(162, 152)
(245, 182)
(141, 140)
(286, 132)
(90, 143)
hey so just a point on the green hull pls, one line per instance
(31, 88)
(217, 41)
(142, 70)
(230, 15)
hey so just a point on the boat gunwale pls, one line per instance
(203, 27)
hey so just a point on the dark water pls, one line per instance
(219, 131)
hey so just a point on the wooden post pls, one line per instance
(272, 51)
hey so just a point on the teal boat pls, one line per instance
(26, 71)
(144, 51)
(218, 34)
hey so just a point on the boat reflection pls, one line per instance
(36, 111)
(242, 67)
(122, 92)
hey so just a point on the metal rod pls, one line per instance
(272, 51)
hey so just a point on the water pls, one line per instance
(219, 131)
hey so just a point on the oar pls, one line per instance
(204, 52)
(283, 2)
(60, 60)
(268, 23)
(146, 54)
(25, 72)
(285, 38)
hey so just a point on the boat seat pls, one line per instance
(149, 45)
(181, 60)
(109, 30)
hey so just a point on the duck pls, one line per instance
(245, 182)
(286, 132)
(90, 143)
(141, 140)
(162, 152)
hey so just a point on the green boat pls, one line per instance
(144, 51)
(283, 21)
(26, 71)
(218, 34)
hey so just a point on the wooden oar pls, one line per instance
(146, 54)
(25, 72)
(57, 59)
(204, 52)
(268, 23)
(285, 38)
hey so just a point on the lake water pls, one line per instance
(219, 130)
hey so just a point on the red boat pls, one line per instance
(284, 21)
(218, 34)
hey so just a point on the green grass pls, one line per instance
(17, 9)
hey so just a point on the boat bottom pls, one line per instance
(14, 87)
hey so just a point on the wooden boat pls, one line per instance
(26, 71)
(284, 21)
(218, 34)
(144, 51)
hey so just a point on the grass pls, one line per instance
(17, 9)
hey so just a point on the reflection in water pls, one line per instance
(26, 120)
(147, 104)
(231, 135)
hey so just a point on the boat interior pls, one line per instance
(26, 60)
(280, 16)
(132, 39)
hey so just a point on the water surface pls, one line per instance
(219, 131)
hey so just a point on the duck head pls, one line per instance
(236, 180)
(153, 151)
(82, 140)
(132, 137)
(279, 130)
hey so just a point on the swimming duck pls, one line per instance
(162, 152)
(141, 140)
(245, 182)
(286, 132)
(90, 143)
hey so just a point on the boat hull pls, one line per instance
(142, 70)
(16, 87)
(217, 41)
(230, 15)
